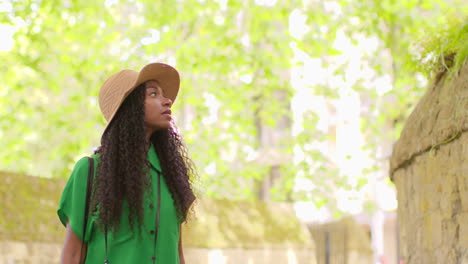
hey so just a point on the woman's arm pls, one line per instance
(71, 248)
(181, 250)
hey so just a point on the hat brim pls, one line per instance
(167, 77)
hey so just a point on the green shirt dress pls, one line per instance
(124, 246)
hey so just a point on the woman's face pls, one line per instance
(157, 107)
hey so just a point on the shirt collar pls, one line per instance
(153, 159)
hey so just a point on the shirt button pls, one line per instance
(151, 206)
(152, 232)
(153, 258)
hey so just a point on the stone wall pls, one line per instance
(248, 256)
(22, 252)
(429, 167)
(222, 231)
(348, 242)
(231, 232)
(17, 252)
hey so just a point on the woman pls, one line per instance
(141, 191)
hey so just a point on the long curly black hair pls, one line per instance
(123, 168)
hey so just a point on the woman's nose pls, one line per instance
(167, 102)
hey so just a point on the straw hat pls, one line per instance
(118, 86)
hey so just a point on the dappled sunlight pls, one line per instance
(216, 257)
(6, 38)
(292, 257)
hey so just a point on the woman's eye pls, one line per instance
(153, 94)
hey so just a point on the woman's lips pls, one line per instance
(167, 113)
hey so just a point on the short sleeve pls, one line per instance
(72, 201)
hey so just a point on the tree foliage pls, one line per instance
(234, 56)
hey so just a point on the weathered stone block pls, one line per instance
(464, 198)
(429, 198)
(462, 221)
(450, 231)
(429, 166)
(464, 256)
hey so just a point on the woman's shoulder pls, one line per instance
(84, 161)
(82, 164)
